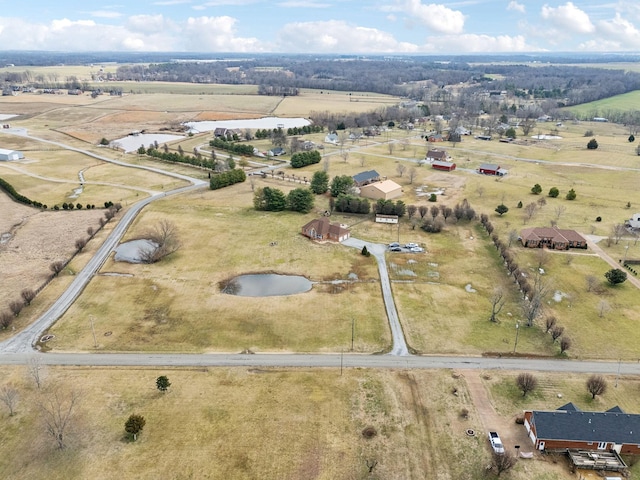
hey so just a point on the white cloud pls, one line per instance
(436, 17)
(568, 17)
(516, 7)
(621, 31)
(217, 34)
(472, 43)
(336, 36)
(150, 33)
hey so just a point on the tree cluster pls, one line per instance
(389, 207)
(302, 159)
(197, 161)
(225, 179)
(244, 149)
(351, 204)
(274, 200)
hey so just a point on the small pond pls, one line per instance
(267, 285)
(132, 251)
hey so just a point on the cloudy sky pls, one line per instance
(321, 26)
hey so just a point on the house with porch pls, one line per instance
(435, 154)
(568, 427)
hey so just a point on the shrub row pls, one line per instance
(302, 159)
(237, 148)
(7, 187)
(177, 158)
(225, 179)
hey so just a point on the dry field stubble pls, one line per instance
(177, 304)
(261, 423)
(332, 101)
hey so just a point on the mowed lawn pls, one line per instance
(623, 102)
(177, 304)
(240, 423)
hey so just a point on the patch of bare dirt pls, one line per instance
(511, 433)
(35, 239)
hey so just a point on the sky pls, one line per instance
(321, 26)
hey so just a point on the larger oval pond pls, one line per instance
(267, 285)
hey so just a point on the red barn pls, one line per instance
(442, 165)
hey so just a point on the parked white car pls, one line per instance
(411, 245)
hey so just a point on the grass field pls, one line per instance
(599, 108)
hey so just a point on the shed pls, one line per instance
(385, 190)
(441, 165)
(7, 155)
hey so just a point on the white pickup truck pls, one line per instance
(496, 443)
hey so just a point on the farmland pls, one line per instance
(297, 423)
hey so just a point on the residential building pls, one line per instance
(323, 230)
(552, 237)
(364, 178)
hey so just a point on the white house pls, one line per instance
(634, 221)
(6, 155)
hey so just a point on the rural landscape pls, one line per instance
(286, 267)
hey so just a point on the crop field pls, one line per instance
(623, 102)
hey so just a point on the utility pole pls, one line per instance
(93, 331)
(353, 332)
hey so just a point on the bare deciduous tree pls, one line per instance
(526, 382)
(6, 319)
(534, 300)
(592, 281)
(542, 257)
(58, 411)
(28, 294)
(556, 332)
(565, 344)
(559, 210)
(413, 173)
(401, 168)
(503, 462)
(497, 302)
(596, 385)
(9, 396)
(80, 244)
(56, 267)
(165, 236)
(423, 209)
(530, 211)
(550, 322)
(435, 211)
(36, 370)
(16, 307)
(618, 231)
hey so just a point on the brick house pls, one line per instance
(323, 230)
(552, 237)
(568, 427)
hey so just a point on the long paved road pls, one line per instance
(320, 361)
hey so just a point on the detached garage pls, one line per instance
(6, 155)
(385, 190)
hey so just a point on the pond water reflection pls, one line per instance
(266, 285)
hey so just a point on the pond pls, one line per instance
(267, 285)
(268, 123)
(132, 251)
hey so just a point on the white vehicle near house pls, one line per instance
(496, 443)
(411, 245)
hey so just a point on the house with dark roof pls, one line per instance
(492, 169)
(321, 229)
(435, 154)
(568, 427)
(365, 178)
(552, 237)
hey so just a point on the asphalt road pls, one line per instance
(24, 340)
(320, 361)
